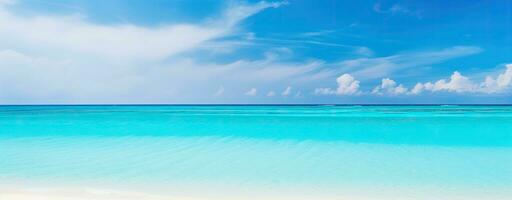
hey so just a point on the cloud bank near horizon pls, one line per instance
(458, 83)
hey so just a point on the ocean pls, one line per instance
(256, 152)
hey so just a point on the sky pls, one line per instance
(255, 52)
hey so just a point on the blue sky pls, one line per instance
(202, 51)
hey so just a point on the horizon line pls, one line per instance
(241, 104)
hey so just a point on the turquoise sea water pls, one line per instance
(331, 150)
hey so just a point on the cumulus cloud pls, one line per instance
(499, 84)
(420, 87)
(460, 83)
(456, 83)
(287, 91)
(505, 79)
(347, 85)
(271, 94)
(251, 92)
(389, 86)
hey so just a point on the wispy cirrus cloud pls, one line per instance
(396, 9)
(308, 40)
(378, 67)
(73, 34)
(66, 58)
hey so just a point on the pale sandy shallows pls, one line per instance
(80, 194)
(100, 194)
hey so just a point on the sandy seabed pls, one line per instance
(80, 194)
(11, 193)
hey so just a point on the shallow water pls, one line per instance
(398, 152)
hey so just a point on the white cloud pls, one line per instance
(389, 87)
(39, 79)
(72, 60)
(74, 35)
(418, 88)
(271, 94)
(251, 92)
(347, 85)
(400, 89)
(456, 83)
(505, 79)
(500, 84)
(287, 91)
(460, 83)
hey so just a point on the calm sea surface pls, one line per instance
(388, 150)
